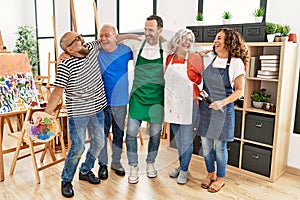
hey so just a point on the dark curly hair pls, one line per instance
(235, 44)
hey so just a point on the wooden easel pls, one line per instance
(96, 19)
(2, 46)
(73, 15)
(40, 80)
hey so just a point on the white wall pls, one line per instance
(176, 14)
(13, 14)
(288, 15)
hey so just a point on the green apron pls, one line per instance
(147, 93)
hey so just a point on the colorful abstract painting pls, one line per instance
(17, 92)
(17, 88)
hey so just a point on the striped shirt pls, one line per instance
(82, 81)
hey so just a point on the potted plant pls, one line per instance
(270, 30)
(285, 33)
(226, 17)
(199, 18)
(259, 14)
(259, 97)
(278, 33)
(26, 43)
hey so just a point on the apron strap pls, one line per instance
(228, 62)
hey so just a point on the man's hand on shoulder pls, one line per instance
(63, 56)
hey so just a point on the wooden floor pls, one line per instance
(238, 186)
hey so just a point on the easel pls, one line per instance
(73, 15)
(2, 47)
(96, 19)
(41, 79)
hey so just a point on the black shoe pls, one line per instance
(90, 177)
(67, 189)
(118, 168)
(102, 172)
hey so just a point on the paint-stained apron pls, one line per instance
(178, 94)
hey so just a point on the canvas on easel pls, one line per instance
(17, 88)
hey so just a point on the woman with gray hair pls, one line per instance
(182, 77)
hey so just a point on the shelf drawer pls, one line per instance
(238, 124)
(198, 32)
(233, 153)
(256, 159)
(259, 128)
(254, 32)
(210, 32)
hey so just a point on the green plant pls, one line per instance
(259, 12)
(227, 15)
(199, 16)
(26, 43)
(285, 30)
(271, 28)
(260, 95)
(279, 28)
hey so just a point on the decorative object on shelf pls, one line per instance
(292, 37)
(278, 33)
(259, 14)
(259, 97)
(285, 33)
(226, 17)
(199, 18)
(271, 30)
(272, 108)
(26, 43)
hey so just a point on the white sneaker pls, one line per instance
(133, 175)
(174, 173)
(151, 171)
(182, 177)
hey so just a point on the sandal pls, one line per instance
(216, 186)
(207, 182)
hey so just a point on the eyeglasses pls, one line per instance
(187, 39)
(77, 38)
(107, 35)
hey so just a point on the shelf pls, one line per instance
(261, 111)
(261, 79)
(257, 143)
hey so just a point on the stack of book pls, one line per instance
(269, 66)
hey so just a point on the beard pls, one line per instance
(84, 51)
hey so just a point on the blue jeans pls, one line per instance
(133, 128)
(215, 150)
(184, 136)
(115, 117)
(77, 127)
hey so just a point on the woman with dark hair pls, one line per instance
(182, 77)
(223, 80)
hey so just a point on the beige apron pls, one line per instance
(178, 94)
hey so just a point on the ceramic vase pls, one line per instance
(257, 104)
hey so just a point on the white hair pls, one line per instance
(173, 44)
